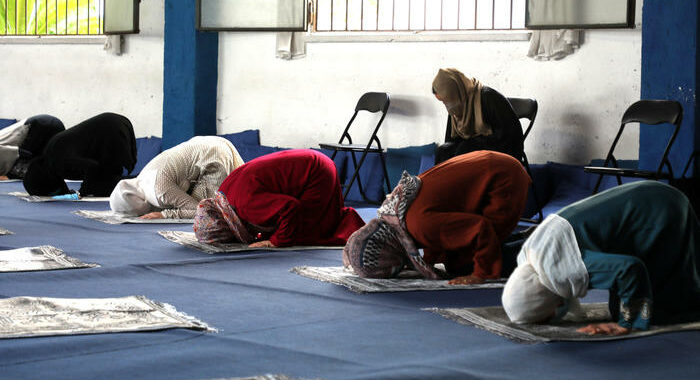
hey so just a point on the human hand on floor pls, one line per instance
(466, 280)
(608, 328)
(152, 215)
(262, 244)
(3, 178)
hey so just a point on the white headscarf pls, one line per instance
(128, 198)
(550, 269)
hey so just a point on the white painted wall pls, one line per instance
(302, 102)
(74, 82)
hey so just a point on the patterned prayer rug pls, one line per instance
(5, 232)
(44, 257)
(38, 316)
(36, 198)
(110, 217)
(407, 281)
(263, 377)
(189, 240)
(495, 320)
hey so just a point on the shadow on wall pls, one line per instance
(409, 106)
(574, 136)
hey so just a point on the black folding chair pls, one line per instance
(527, 109)
(652, 112)
(371, 102)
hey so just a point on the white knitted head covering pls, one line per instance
(550, 269)
(525, 299)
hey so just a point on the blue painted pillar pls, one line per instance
(670, 71)
(190, 71)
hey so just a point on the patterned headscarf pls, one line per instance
(217, 222)
(462, 97)
(382, 247)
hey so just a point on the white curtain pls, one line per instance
(290, 45)
(553, 44)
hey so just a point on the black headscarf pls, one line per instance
(41, 180)
(41, 129)
(96, 151)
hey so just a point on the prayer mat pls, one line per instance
(407, 281)
(264, 377)
(189, 240)
(495, 320)
(5, 232)
(110, 217)
(37, 316)
(36, 198)
(44, 257)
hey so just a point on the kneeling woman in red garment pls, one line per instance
(281, 199)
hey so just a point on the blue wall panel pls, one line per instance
(669, 71)
(190, 71)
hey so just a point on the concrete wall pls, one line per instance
(302, 102)
(76, 81)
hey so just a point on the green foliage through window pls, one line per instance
(51, 17)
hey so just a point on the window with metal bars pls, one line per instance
(51, 17)
(418, 15)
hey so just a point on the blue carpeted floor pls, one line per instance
(273, 321)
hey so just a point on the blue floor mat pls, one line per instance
(274, 321)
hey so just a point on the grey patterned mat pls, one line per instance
(36, 198)
(264, 377)
(110, 217)
(494, 319)
(44, 257)
(5, 232)
(407, 281)
(37, 316)
(189, 240)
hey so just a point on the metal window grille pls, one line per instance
(51, 17)
(418, 15)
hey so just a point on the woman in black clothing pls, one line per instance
(24, 140)
(480, 118)
(95, 151)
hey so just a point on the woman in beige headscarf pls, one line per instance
(480, 118)
(173, 183)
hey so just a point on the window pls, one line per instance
(252, 15)
(418, 15)
(51, 17)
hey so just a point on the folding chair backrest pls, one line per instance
(373, 102)
(525, 109)
(654, 112)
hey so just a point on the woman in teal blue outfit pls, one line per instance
(640, 241)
